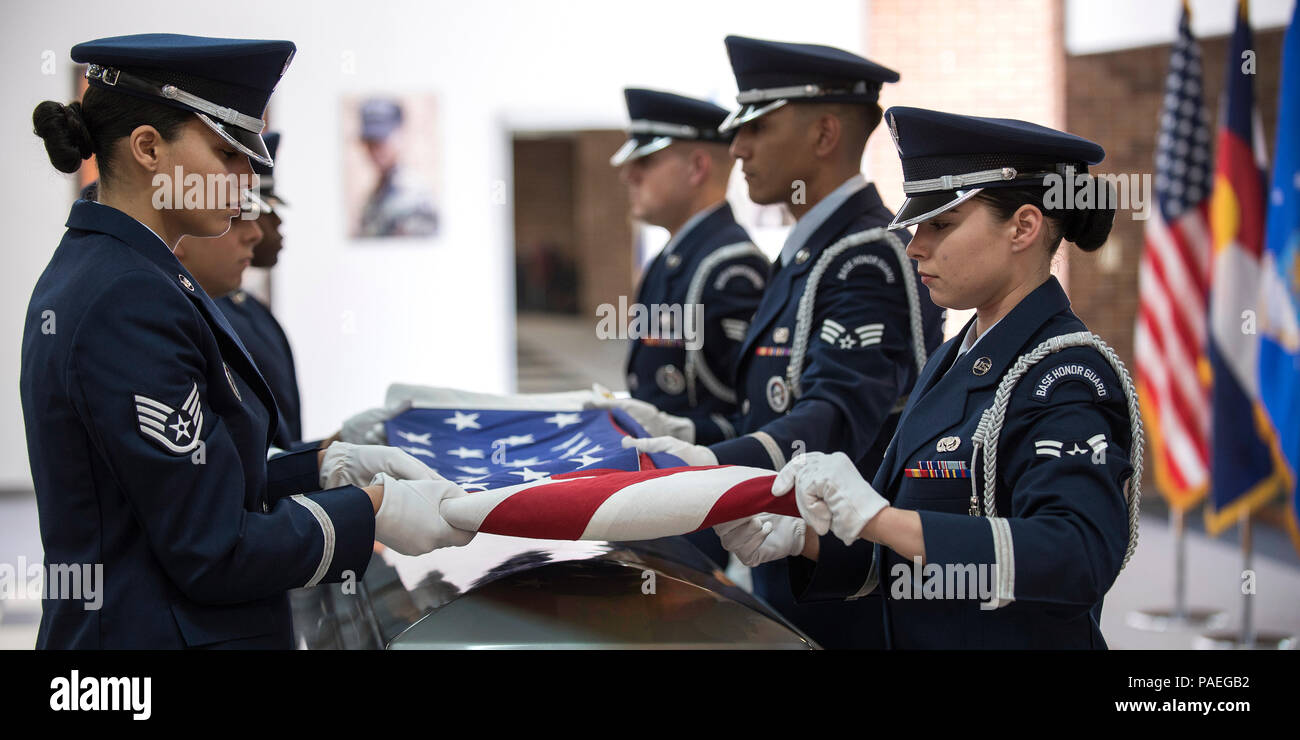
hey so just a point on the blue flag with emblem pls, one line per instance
(482, 449)
(1279, 353)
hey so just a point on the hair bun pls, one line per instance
(67, 138)
(1088, 228)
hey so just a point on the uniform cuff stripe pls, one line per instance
(327, 531)
(773, 449)
(1004, 557)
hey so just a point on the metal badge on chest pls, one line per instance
(670, 380)
(778, 394)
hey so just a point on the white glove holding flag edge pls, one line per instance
(762, 538)
(410, 519)
(367, 427)
(831, 494)
(692, 455)
(655, 422)
(347, 464)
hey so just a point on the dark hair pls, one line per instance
(74, 132)
(1086, 227)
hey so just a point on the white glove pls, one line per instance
(367, 427)
(693, 455)
(348, 464)
(831, 494)
(656, 422)
(762, 538)
(409, 519)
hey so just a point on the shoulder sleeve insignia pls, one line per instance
(739, 270)
(867, 259)
(1050, 380)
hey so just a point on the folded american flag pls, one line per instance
(566, 475)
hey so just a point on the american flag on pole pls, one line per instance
(564, 475)
(1174, 286)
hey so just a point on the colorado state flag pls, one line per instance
(1246, 469)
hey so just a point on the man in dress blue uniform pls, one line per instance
(252, 320)
(147, 421)
(1050, 536)
(844, 327)
(676, 166)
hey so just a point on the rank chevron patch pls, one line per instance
(869, 334)
(175, 431)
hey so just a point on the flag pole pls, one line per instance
(1179, 617)
(1247, 637)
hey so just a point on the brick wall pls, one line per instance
(1001, 58)
(568, 200)
(605, 240)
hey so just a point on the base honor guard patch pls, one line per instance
(175, 430)
(938, 469)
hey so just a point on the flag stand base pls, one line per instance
(1180, 617)
(1175, 620)
(1231, 640)
(1245, 637)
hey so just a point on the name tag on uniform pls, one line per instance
(938, 469)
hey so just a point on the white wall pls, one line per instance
(1108, 25)
(359, 318)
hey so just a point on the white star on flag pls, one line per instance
(419, 439)
(472, 470)
(464, 452)
(528, 475)
(464, 421)
(586, 460)
(561, 420)
(521, 439)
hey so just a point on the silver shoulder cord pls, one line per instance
(808, 301)
(990, 427)
(695, 364)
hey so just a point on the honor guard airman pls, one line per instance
(1007, 501)
(147, 422)
(701, 290)
(253, 321)
(845, 325)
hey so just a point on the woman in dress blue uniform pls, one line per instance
(1006, 503)
(147, 423)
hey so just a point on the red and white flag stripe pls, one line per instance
(619, 505)
(1170, 349)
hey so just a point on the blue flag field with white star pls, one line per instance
(486, 449)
